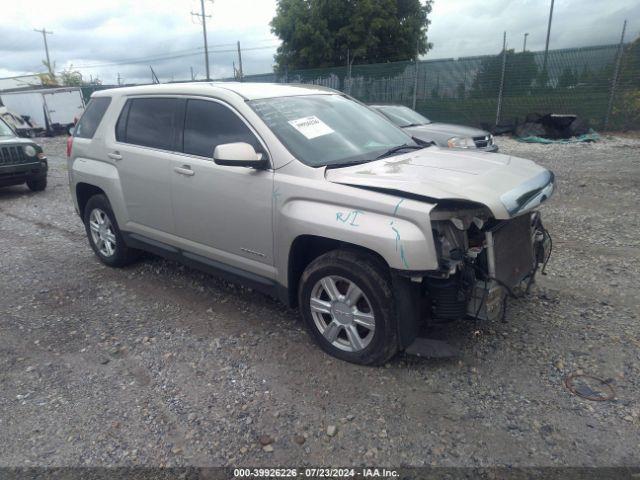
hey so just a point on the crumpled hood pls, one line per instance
(507, 185)
(448, 129)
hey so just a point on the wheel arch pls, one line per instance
(84, 191)
(306, 248)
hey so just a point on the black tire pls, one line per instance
(122, 254)
(372, 277)
(37, 184)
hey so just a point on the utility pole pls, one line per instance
(524, 43)
(192, 76)
(119, 79)
(154, 77)
(240, 62)
(415, 75)
(504, 65)
(348, 86)
(204, 17)
(44, 33)
(546, 47)
(616, 73)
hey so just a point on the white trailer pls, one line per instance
(52, 109)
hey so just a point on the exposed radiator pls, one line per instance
(512, 252)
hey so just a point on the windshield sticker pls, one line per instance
(311, 127)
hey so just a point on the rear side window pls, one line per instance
(209, 124)
(92, 116)
(151, 122)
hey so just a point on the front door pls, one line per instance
(223, 212)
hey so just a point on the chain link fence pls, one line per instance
(580, 81)
(600, 84)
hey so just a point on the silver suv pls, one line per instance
(308, 195)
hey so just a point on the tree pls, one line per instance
(520, 72)
(626, 108)
(70, 77)
(327, 33)
(49, 78)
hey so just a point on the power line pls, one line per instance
(178, 54)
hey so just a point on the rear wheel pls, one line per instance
(104, 235)
(347, 305)
(37, 184)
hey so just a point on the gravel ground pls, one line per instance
(158, 364)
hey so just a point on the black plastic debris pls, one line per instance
(554, 126)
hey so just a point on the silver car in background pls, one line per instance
(444, 135)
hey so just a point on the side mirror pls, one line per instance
(71, 129)
(238, 154)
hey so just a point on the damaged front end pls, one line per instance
(482, 261)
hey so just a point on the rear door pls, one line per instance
(222, 212)
(148, 133)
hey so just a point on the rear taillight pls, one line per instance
(69, 145)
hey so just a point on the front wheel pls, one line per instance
(104, 235)
(346, 303)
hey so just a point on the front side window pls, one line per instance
(151, 122)
(209, 124)
(324, 130)
(92, 117)
(403, 116)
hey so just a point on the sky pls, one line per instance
(122, 38)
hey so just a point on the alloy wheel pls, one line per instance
(342, 313)
(102, 232)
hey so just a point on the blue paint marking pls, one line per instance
(397, 234)
(349, 217)
(404, 259)
(355, 215)
(399, 243)
(395, 210)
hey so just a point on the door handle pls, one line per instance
(184, 170)
(114, 155)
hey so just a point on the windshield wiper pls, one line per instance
(389, 152)
(414, 125)
(393, 150)
(424, 143)
(348, 164)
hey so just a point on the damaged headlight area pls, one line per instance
(482, 261)
(461, 142)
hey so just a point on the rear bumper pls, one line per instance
(18, 174)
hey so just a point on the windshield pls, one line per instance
(403, 116)
(5, 131)
(324, 130)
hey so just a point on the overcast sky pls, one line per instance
(95, 35)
